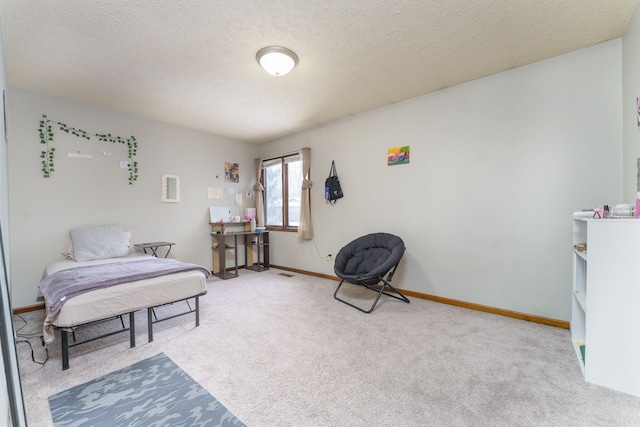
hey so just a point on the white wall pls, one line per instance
(88, 192)
(4, 224)
(631, 89)
(497, 167)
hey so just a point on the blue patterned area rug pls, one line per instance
(152, 392)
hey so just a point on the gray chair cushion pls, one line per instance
(365, 260)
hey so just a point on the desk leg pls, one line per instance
(265, 249)
(258, 264)
(219, 261)
(248, 250)
(235, 250)
(222, 255)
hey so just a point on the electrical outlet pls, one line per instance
(329, 257)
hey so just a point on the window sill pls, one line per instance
(285, 229)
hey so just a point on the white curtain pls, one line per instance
(305, 231)
(259, 189)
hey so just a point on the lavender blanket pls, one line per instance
(62, 285)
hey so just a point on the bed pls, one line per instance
(88, 289)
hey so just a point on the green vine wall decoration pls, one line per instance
(46, 138)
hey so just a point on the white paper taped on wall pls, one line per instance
(219, 214)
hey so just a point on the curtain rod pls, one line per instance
(285, 154)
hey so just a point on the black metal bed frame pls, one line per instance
(64, 331)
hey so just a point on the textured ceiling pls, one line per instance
(192, 62)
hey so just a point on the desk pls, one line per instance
(220, 239)
(257, 240)
(153, 246)
(221, 243)
(220, 247)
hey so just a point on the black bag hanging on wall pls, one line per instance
(332, 189)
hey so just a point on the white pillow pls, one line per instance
(91, 243)
(67, 251)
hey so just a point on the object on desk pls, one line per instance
(249, 213)
(252, 224)
(217, 214)
(236, 218)
(261, 229)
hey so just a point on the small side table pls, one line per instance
(153, 246)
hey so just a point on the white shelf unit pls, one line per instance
(607, 275)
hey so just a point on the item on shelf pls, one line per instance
(584, 214)
(580, 247)
(622, 210)
(261, 229)
(249, 213)
(598, 213)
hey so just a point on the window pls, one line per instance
(282, 181)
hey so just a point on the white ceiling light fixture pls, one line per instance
(277, 60)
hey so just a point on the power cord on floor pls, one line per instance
(26, 335)
(22, 338)
(33, 356)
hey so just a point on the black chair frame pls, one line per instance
(380, 291)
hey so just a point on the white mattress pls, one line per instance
(120, 299)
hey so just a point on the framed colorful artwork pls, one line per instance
(231, 172)
(398, 155)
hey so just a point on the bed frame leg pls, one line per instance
(197, 311)
(150, 323)
(64, 339)
(132, 329)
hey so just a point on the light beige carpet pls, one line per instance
(280, 351)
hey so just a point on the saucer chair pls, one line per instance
(366, 260)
